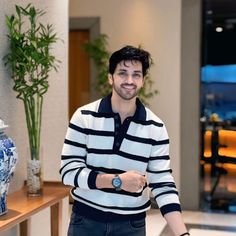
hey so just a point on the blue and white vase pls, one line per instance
(8, 160)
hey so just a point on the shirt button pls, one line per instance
(117, 144)
(116, 133)
(117, 125)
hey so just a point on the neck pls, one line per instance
(125, 108)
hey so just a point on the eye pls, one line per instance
(137, 76)
(122, 74)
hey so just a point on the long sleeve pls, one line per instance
(159, 175)
(73, 170)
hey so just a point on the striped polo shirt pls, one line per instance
(97, 142)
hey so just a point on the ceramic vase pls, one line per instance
(8, 160)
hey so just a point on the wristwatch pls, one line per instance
(116, 183)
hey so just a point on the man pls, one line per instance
(115, 151)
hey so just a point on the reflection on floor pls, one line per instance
(224, 197)
(207, 222)
(198, 224)
(217, 219)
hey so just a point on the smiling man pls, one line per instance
(116, 150)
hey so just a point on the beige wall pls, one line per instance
(55, 103)
(55, 106)
(156, 25)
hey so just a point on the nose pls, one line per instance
(129, 79)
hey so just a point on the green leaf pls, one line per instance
(29, 59)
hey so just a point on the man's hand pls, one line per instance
(132, 181)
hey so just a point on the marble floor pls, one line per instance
(198, 224)
(218, 221)
(209, 221)
(206, 222)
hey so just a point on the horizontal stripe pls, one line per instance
(68, 157)
(148, 122)
(91, 131)
(133, 157)
(166, 192)
(162, 142)
(163, 184)
(73, 143)
(122, 192)
(164, 157)
(105, 170)
(68, 163)
(159, 171)
(96, 114)
(123, 154)
(169, 208)
(125, 208)
(142, 140)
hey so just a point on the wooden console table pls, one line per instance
(21, 208)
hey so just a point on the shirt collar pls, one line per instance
(105, 107)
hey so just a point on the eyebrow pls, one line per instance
(135, 71)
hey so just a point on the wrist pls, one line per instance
(104, 181)
(116, 183)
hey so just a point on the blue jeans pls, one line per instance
(81, 226)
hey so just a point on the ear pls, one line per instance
(110, 79)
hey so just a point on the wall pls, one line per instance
(156, 25)
(55, 110)
(190, 90)
(170, 30)
(55, 101)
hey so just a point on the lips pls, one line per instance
(128, 87)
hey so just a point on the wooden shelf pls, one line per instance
(21, 208)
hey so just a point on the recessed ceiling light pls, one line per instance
(209, 12)
(219, 29)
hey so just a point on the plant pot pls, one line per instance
(34, 176)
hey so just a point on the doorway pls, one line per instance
(79, 69)
(82, 72)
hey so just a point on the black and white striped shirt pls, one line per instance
(97, 142)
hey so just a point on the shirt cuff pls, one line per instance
(169, 208)
(92, 180)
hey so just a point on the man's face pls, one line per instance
(127, 79)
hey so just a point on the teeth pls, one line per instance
(128, 87)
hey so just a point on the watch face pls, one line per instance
(116, 182)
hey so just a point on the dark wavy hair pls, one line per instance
(130, 53)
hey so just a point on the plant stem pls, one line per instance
(33, 111)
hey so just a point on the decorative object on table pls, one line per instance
(97, 50)
(8, 160)
(30, 60)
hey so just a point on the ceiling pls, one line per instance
(221, 9)
(219, 48)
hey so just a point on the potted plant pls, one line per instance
(97, 50)
(30, 60)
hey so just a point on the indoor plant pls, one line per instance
(97, 50)
(30, 60)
